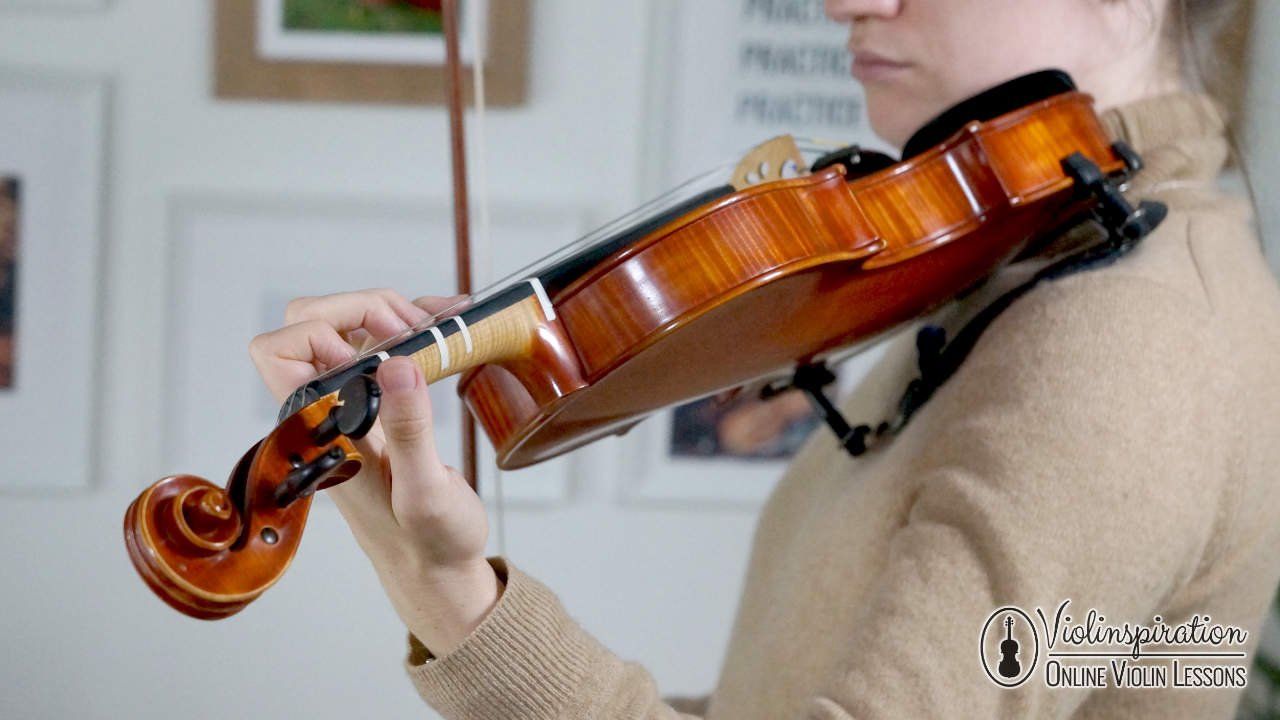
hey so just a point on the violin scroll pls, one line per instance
(201, 517)
(208, 551)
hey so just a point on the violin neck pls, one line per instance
(503, 327)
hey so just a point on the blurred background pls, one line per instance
(172, 173)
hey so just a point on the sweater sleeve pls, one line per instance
(528, 660)
(1083, 451)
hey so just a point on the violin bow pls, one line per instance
(461, 216)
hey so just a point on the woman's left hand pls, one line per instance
(417, 519)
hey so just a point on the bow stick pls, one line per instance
(461, 218)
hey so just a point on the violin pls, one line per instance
(784, 265)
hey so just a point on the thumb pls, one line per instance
(405, 415)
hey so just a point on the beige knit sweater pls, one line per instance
(1113, 439)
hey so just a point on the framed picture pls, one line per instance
(374, 31)
(51, 155)
(10, 202)
(389, 51)
(238, 260)
(741, 424)
(723, 451)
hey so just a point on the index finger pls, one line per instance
(288, 357)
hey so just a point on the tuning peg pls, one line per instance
(360, 397)
(307, 476)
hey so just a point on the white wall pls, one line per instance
(82, 636)
(1261, 135)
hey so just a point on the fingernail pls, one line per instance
(399, 375)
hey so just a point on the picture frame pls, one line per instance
(340, 70)
(52, 128)
(235, 265)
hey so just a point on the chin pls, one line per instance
(892, 127)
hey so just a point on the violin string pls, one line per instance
(482, 237)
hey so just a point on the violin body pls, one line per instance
(780, 274)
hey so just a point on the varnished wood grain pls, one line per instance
(784, 272)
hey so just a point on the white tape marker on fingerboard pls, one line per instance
(466, 334)
(543, 300)
(444, 349)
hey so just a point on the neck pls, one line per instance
(1149, 66)
(502, 327)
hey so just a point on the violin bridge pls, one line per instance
(775, 159)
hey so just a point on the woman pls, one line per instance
(1104, 442)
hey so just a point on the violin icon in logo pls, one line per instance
(1009, 666)
(1009, 657)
